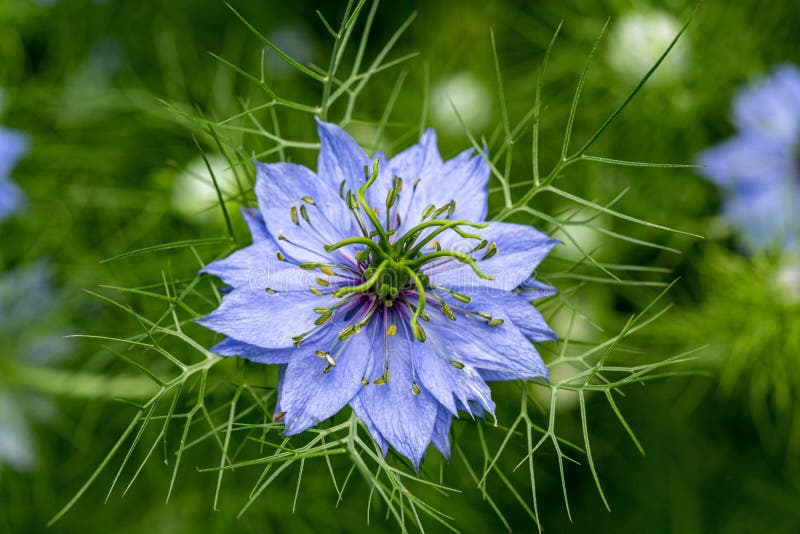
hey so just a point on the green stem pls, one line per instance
(420, 304)
(366, 285)
(460, 256)
(363, 201)
(358, 241)
(448, 225)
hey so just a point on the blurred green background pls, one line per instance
(111, 167)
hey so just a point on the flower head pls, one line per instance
(12, 146)
(377, 283)
(759, 168)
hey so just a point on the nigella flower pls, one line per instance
(759, 168)
(379, 285)
(12, 146)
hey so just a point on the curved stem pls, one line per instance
(363, 201)
(450, 225)
(357, 241)
(460, 256)
(420, 305)
(435, 222)
(366, 285)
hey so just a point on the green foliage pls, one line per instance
(574, 150)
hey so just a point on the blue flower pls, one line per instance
(377, 284)
(12, 146)
(759, 168)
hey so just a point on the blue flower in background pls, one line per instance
(12, 147)
(377, 284)
(32, 329)
(759, 168)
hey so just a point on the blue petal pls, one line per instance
(232, 347)
(263, 319)
(418, 162)
(770, 107)
(520, 249)
(519, 309)
(533, 289)
(11, 198)
(404, 419)
(363, 414)
(255, 222)
(279, 389)
(432, 362)
(441, 431)
(310, 395)
(257, 267)
(281, 186)
(748, 164)
(462, 179)
(502, 350)
(12, 146)
(340, 158)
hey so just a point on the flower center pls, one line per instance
(390, 269)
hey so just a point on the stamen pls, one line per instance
(392, 330)
(415, 389)
(308, 200)
(280, 256)
(455, 294)
(457, 364)
(293, 214)
(495, 322)
(304, 214)
(324, 318)
(491, 251)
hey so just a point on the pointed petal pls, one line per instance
(255, 222)
(257, 268)
(310, 394)
(519, 309)
(232, 347)
(520, 249)
(501, 349)
(533, 289)
(448, 385)
(340, 157)
(462, 179)
(362, 414)
(404, 419)
(279, 390)
(283, 186)
(441, 432)
(263, 319)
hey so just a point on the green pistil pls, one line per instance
(361, 288)
(443, 226)
(358, 241)
(460, 256)
(419, 333)
(363, 201)
(389, 269)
